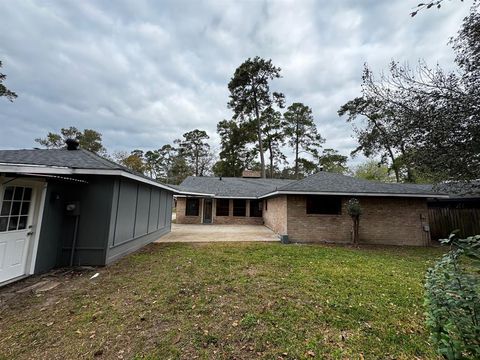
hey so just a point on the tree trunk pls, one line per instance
(394, 166)
(196, 163)
(356, 223)
(259, 133)
(271, 159)
(296, 151)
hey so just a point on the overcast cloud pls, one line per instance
(144, 72)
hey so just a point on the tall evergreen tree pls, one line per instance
(273, 136)
(4, 91)
(250, 95)
(301, 133)
(89, 139)
(193, 147)
(234, 154)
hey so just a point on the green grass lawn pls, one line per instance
(230, 301)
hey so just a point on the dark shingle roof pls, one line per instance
(75, 159)
(460, 190)
(71, 159)
(232, 187)
(322, 182)
(337, 183)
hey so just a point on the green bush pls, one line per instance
(452, 299)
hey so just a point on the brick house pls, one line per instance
(312, 209)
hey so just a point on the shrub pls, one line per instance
(354, 210)
(452, 299)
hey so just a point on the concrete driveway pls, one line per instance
(218, 233)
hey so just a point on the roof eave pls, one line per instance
(57, 170)
(280, 192)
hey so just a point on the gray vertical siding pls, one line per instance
(94, 221)
(154, 209)
(52, 229)
(117, 216)
(140, 214)
(56, 236)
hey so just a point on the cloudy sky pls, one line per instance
(144, 72)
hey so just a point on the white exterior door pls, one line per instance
(16, 218)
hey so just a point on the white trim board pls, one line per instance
(37, 229)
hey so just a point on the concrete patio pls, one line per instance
(218, 233)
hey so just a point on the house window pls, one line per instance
(239, 207)
(256, 208)
(223, 206)
(266, 204)
(327, 205)
(193, 205)
(15, 208)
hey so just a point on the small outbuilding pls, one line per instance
(62, 207)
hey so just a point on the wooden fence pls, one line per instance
(444, 220)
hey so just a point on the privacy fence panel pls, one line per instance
(444, 220)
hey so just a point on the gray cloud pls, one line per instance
(144, 72)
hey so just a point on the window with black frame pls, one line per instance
(256, 208)
(324, 205)
(239, 207)
(223, 207)
(192, 207)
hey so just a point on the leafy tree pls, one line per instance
(194, 147)
(234, 154)
(427, 5)
(179, 170)
(373, 170)
(429, 118)
(134, 161)
(381, 134)
(273, 137)
(166, 156)
(4, 91)
(250, 95)
(301, 133)
(89, 139)
(152, 163)
(331, 160)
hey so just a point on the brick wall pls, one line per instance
(275, 214)
(385, 220)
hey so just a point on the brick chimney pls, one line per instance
(251, 174)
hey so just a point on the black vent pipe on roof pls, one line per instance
(72, 144)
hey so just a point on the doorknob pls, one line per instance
(30, 233)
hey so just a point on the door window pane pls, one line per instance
(8, 195)
(25, 208)
(16, 208)
(22, 223)
(18, 193)
(3, 223)
(12, 224)
(6, 208)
